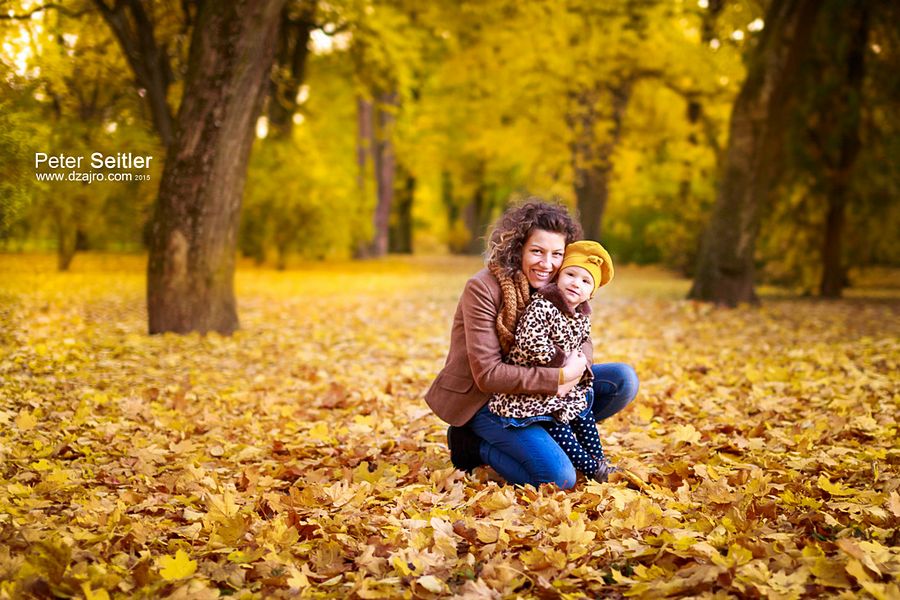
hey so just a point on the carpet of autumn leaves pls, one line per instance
(297, 458)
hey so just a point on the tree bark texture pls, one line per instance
(364, 128)
(385, 169)
(133, 28)
(845, 108)
(476, 215)
(725, 270)
(290, 66)
(592, 158)
(377, 121)
(400, 240)
(190, 274)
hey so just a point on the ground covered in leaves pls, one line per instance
(298, 458)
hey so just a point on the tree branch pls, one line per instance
(50, 6)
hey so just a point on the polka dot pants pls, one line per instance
(580, 441)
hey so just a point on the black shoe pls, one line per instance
(465, 448)
(604, 470)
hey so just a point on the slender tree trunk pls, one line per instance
(833, 275)
(378, 122)
(364, 128)
(298, 21)
(65, 245)
(725, 271)
(838, 174)
(447, 197)
(190, 274)
(474, 217)
(592, 159)
(400, 238)
(68, 222)
(385, 168)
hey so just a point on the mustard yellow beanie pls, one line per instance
(591, 256)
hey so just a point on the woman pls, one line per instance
(525, 251)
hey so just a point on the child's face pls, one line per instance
(576, 285)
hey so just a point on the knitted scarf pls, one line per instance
(516, 295)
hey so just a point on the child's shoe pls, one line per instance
(465, 448)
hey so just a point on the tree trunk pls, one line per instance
(833, 275)
(385, 167)
(134, 30)
(190, 274)
(381, 146)
(290, 67)
(477, 214)
(847, 104)
(725, 271)
(65, 245)
(447, 199)
(592, 159)
(400, 238)
(364, 128)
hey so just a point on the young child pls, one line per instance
(555, 323)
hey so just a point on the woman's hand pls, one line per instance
(573, 369)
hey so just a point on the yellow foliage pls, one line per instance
(177, 567)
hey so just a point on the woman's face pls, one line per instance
(542, 254)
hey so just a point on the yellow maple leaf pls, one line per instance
(686, 433)
(538, 559)
(836, 488)
(576, 533)
(25, 421)
(645, 412)
(91, 594)
(177, 567)
(299, 578)
(319, 432)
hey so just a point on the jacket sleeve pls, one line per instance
(490, 373)
(587, 348)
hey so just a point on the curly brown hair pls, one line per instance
(512, 229)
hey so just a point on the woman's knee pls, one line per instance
(630, 381)
(561, 472)
(565, 477)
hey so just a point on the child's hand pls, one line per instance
(575, 365)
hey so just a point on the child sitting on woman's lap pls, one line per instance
(555, 323)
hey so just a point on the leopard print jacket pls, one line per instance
(546, 333)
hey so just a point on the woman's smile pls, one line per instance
(542, 254)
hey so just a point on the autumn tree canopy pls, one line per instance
(388, 125)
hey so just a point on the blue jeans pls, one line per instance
(528, 454)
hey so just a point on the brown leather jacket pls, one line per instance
(474, 369)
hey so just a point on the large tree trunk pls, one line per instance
(725, 272)
(190, 275)
(847, 104)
